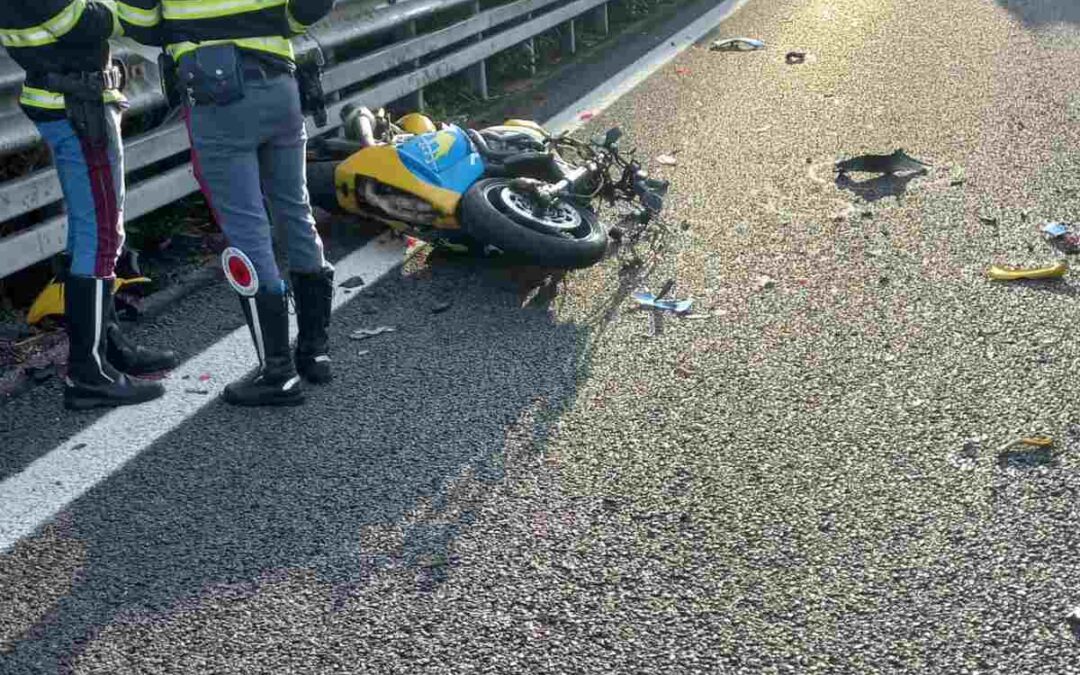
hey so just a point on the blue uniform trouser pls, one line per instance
(253, 147)
(92, 180)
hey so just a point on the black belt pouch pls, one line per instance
(213, 75)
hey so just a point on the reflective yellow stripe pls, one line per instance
(277, 46)
(50, 100)
(137, 16)
(184, 10)
(117, 27)
(62, 23)
(41, 98)
(45, 33)
(294, 25)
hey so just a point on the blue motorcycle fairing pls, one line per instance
(445, 159)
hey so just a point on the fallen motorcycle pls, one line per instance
(514, 187)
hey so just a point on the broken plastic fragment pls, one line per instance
(1063, 236)
(794, 58)
(1038, 441)
(352, 282)
(649, 300)
(365, 333)
(1055, 229)
(666, 288)
(763, 282)
(666, 160)
(1073, 619)
(1007, 273)
(738, 44)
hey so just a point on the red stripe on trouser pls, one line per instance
(103, 189)
(196, 169)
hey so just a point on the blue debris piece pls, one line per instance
(649, 300)
(1055, 229)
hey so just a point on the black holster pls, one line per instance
(309, 79)
(170, 80)
(84, 101)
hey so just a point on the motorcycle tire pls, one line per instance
(486, 217)
(321, 187)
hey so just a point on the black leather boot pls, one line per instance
(276, 381)
(314, 295)
(93, 382)
(131, 358)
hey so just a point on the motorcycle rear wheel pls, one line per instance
(492, 214)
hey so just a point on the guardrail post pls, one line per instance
(414, 102)
(598, 20)
(329, 55)
(478, 73)
(530, 46)
(569, 37)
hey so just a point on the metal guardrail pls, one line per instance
(424, 58)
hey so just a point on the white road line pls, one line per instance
(53, 481)
(58, 478)
(603, 96)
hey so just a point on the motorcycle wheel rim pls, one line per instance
(561, 218)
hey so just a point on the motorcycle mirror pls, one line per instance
(612, 137)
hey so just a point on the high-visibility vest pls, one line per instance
(259, 25)
(57, 36)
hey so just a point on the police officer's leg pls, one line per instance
(282, 162)
(225, 157)
(94, 237)
(122, 352)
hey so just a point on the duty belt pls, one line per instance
(91, 84)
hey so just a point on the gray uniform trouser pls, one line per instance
(253, 147)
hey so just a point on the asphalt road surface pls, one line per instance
(810, 476)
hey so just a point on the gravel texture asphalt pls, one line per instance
(810, 477)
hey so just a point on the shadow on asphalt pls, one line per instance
(235, 496)
(876, 189)
(1052, 286)
(1042, 12)
(34, 423)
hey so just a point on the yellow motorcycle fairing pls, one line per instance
(437, 167)
(381, 163)
(50, 301)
